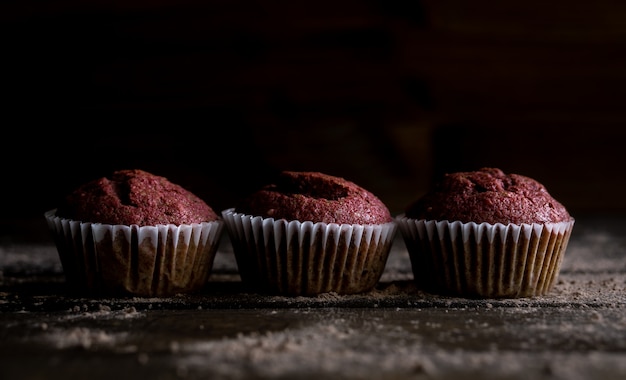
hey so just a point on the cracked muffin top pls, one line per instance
(488, 195)
(134, 197)
(316, 197)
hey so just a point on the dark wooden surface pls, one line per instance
(397, 331)
(218, 95)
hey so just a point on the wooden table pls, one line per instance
(396, 331)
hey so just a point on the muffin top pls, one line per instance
(315, 197)
(488, 195)
(134, 197)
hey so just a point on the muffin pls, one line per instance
(308, 233)
(486, 234)
(135, 234)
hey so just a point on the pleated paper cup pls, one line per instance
(485, 260)
(148, 261)
(305, 258)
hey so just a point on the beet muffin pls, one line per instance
(137, 234)
(308, 233)
(486, 234)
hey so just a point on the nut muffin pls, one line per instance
(135, 233)
(308, 233)
(486, 234)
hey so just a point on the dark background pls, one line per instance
(219, 95)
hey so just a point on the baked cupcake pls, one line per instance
(486, 234)
(135, 234)
(309, 233)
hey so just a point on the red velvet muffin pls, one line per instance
(308, 233)
(485, 233)
(135, 233)
(135, 197)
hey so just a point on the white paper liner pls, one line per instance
(306, 258)
(485, 260)
(161, 260)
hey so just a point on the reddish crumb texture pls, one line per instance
(488, 195)
(135, 197)
(316, 197)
